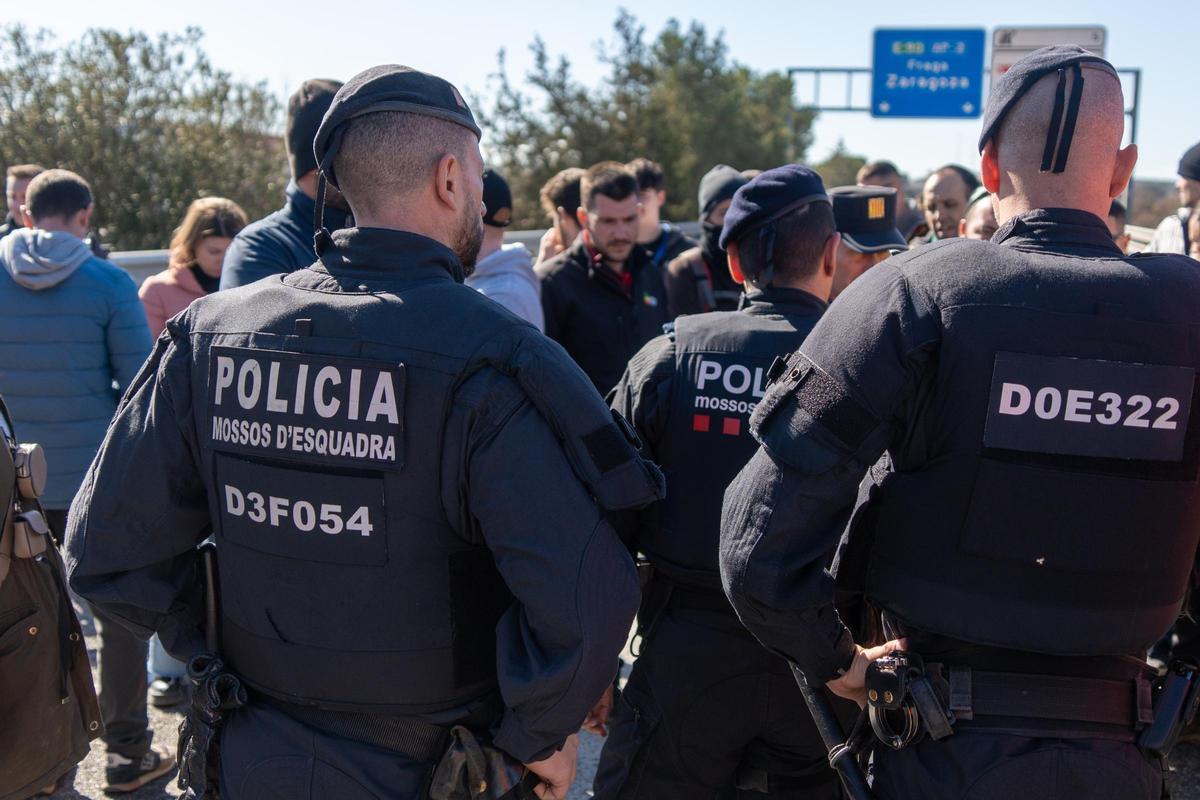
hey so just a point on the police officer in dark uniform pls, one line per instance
(866, 218)
(706, 708)
(405, 482)
(1037, 526)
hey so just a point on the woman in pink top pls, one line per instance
(197, 250)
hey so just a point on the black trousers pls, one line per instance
(706, 702)
(973, 765)
(122, 663)
(268, 755)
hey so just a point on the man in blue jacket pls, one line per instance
(72, 337)
(282, 241)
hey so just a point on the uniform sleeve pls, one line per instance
(142, 510)
(127, 335)
(249, 259)
(846, 397)
(643, 395)
(574, 584)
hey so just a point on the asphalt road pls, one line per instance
(88, 780)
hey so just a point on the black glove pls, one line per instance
(215, 692)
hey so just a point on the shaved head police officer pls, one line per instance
(706, 709)
(406, 486)
(1038, 524)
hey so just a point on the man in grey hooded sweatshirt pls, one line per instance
(73, 336)
(504, 272)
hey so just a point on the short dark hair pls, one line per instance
(562, 191)
(608, 178)
(1116, 209)
(800, 238)
(967, 176)
(649, 174)
(878, 169)
(391, 153)
(24, 172)
(57, 193)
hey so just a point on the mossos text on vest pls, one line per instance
(729, 379)
(307, 406)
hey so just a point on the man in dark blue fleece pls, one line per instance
(282, 241)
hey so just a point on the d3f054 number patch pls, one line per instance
(305, 407)
(310, 516)
(1086, 407)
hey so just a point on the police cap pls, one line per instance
(768, 197)
(865, 216)
(388, 87)
(1021, 77)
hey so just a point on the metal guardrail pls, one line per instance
(141, 264)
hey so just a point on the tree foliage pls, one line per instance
(148, 121)
(840, 168)
(678, 99)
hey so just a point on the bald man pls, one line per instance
(980, 220)
(1033, 524)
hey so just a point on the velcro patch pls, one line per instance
(1087, 407)
(607, 447)
(829, 405)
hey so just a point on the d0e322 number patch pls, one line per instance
(1088, 407)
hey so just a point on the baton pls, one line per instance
(840, 756)
(208, 557)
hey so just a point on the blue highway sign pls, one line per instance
(934, 72)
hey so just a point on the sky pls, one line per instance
(283, 43)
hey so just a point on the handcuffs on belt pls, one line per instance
(902, 703)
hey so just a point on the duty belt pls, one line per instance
(907, 701)
(415, 738)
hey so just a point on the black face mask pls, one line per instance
(710, 236)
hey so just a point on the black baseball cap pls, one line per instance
(865, 216)
(496, 197)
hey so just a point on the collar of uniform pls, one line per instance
(781, 300)
(304, 208)
(390, 254)
(1050, 228)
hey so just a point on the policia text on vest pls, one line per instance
(340, 411)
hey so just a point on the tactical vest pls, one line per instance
(722, 360)
(1059, 513)
(321, 420)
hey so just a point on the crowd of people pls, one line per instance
(651, 316)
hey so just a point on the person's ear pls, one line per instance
(989, 167)
(829, 254)
(962, 227)
(735, 263)
(1123, 170)
(581, 216)
(82, 219)
(661, 194)
(449, 182)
